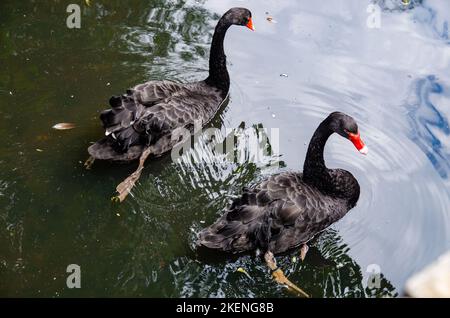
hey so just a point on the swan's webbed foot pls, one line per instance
(124, 188)
(280, 278)
(89, 162)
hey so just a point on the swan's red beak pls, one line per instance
(250, 24)
(359, 144)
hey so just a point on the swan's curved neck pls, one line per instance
(335, 183)
(218, 73)
(314, 169)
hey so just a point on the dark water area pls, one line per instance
(394, 79)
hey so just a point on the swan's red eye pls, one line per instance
(359, 144)
(250, 24)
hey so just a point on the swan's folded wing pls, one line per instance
(301, 212)
(127, 139)
(154, 92)
(280, 213)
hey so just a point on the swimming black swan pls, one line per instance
(286, 210)
(150, 118)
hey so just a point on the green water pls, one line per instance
(54, 213)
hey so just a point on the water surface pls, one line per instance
(394, 80)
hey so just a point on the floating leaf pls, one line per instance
(88, 2)
(64, 126)
(39, 150)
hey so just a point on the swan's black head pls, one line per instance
(346, 126)
(239, 16)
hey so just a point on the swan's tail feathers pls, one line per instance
(123, 142)
(123, 112)
(105, 149)
(241, 229)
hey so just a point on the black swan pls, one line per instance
(150, 118)
(288, 209)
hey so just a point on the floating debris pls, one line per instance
(64, 126)
(406, 2)
(243, 271)
(284, 75)
(273, 116)
(88, 2)
(271, 19)
(39, 150)
(118, 214)
(294, 259)
(10, 93)
(202, 222)
(107, 84)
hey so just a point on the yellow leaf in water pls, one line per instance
(88, 2)
(64, 126)
(243, 271)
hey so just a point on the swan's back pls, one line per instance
(149, 113)
(280, 213)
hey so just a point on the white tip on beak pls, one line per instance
(364, 150)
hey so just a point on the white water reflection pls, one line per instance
(393, 80)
